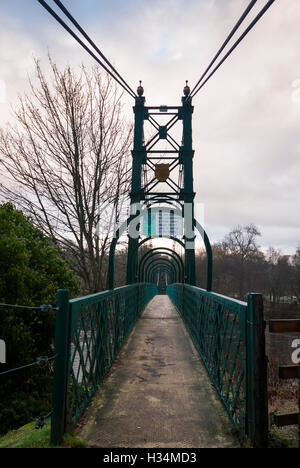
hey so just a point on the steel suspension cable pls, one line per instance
(41, 361)
(77, 25)
(239, 40)
(236, 27)
(74, 35)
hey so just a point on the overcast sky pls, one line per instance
(247, 118)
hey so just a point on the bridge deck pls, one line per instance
(157, 393)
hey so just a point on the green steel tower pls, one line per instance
(179, 195)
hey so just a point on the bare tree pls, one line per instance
(65, 159)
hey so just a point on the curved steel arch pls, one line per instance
(159, 250)
(167, 261)
(154, 278)
(157, 257)
(169, 201)
(153, 269)
(156, 237)
(125, 225)
(153, 275)
(161, 277)
(118, 233)
(158, 263)
(209, 256)
(159, 237)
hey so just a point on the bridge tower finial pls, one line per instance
(186, 89)
(140, 89)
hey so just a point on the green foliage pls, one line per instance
(286, 437)
(240, 266)
(31, 270)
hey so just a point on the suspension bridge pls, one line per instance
(160, 362)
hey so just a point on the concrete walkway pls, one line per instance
(157, 393)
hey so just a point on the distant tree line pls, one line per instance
(240, 266)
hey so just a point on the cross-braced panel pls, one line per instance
(99, 326)
(217, 325)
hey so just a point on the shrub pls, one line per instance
(31, 270)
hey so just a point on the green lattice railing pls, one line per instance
(90, 332)
(228, 335)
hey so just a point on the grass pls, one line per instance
(28, 437)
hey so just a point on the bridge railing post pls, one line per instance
(256, 370)
(139, 299)
(60, 380)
